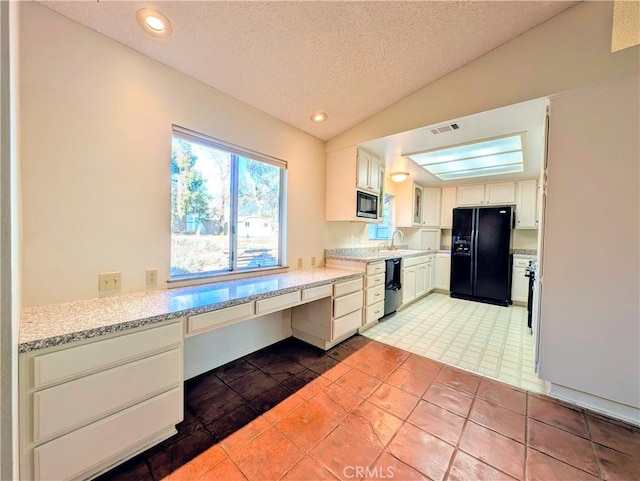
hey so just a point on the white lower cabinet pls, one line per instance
(374, 294)
(421, 280)
(519, 283)
(429, 274)
(326, 322)
(408, 282)
(442, 271)
(75, 455)
(89, 406)
(417, 277)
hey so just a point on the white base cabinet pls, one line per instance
(88, 406)
(374, 294)
(442, 270)
(330, 320)
(519, 283)
(417, 277)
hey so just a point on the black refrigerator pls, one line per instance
(481, 257)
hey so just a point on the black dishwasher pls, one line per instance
(392, 286)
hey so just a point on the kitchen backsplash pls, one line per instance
(363, 251)
(356, 251)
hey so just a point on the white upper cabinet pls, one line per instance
(431, 206)
(348, 170)
(527, 204)
(487, 194)
(500, 193)
(471, 194)
(447, 205)
(409, 200)
(417, 206)
(368, 172)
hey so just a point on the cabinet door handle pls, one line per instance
(378, 294)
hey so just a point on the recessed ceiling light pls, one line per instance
(318, 117)
(154, 23)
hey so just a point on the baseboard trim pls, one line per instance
(597, 404)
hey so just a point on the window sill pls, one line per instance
(198, 279)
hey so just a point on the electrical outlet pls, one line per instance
(151, 277)
(299, 262)
(313, 262)
(109, 281)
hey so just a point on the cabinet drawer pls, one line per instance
(316, 292)
(347, 323)
(375, 268)
(75, 361)
(75, 403)
(219, 318)
(278, 302)
(371, 281)
(346, 304)
(374, 294)
(71, 455)
(348, 287)
(374, 312)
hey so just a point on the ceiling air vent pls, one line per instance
(444, 128)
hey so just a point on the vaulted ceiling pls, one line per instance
(289, 59)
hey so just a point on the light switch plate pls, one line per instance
(110, 281)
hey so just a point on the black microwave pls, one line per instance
(366, 205)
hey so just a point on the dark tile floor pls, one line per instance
(365, 410)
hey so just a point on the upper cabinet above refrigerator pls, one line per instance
(499, 193)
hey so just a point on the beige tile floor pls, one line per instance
(490, 340)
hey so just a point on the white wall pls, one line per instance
(571, 50)
(589, 322)
(96, 137)
(9, 242)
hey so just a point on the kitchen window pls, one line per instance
(383, 230)
(227, 207)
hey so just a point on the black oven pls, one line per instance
(366, 205)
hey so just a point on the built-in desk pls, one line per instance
(102, 379)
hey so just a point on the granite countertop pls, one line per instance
(371, 254)
(525, 252)
(56, 324)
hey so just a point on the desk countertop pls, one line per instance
(56, 324)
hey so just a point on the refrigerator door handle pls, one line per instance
(474, 254)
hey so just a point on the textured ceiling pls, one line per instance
(289, 59)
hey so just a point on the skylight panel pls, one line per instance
(486, 157)
(464, 174)
(476, 163)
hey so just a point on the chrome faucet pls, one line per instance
(393, 236)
